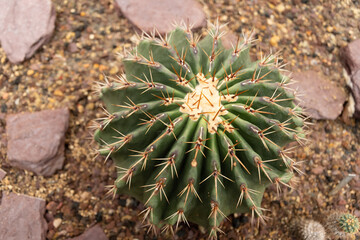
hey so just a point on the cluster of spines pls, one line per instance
(169, 95)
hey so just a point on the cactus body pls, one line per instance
(198, 131)
(306, 229)
(342, 224)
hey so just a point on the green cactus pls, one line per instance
(307, 229)
(341, 224)
(198, 131)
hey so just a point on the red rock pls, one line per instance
(321, 98)
(25, 26)
(93, 233)
(147, 14)
(22, 217)
(229, 40)
(350, 56)
(317, 170)
(2, 174)
(36, 140)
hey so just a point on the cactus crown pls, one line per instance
(349, 223)
(198, 131)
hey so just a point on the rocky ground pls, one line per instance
(87, 37)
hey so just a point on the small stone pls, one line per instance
(22, 217)
(321, 98)
(114, 70)
(85, 196)
(274, 40)
(90, 106)
(58, 93)
(317, 170)
(72, 47)
(280, 8)
(161, 14)
(36, 140)
(25, 26)
(2, 174)
(93, 233)
(30, 72)
(330, 29)
(51, 206)
(80, 108)
(57, 222)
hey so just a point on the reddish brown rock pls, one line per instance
(36, 140)
(25, 26)
(93, 233)
(350, 56)
(22, 217)
(147, 14)
(321, 98)
(2, 174)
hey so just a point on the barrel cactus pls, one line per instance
(198, 131)
(343, 225)
(307, 229)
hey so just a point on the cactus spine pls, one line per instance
(198, 131)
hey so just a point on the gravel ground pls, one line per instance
(309, 33)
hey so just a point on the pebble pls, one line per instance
(30, 72)
(280, 8)
(114, 70)
(317, 170)
(51, 206)
(57, 222)
(274, 40)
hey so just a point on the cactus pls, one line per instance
(342, 225)
(306, 229)
(198, 131)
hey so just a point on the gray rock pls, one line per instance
(321, 98)
(25, 26)
(22, 217)
(36, 140)
(2, 174)
(147, 14)
(93, 233)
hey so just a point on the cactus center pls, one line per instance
(205, 100)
